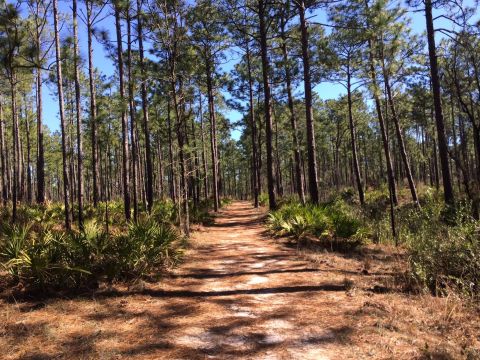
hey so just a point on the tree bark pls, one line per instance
(131, 105)
(311, 152)
(213, 134)
(268, 107)
(398, 130)
(173, 192)
(204, 151)
(93, 104)
(29, 168)
(62, 117)
(125, 161)
(3, 162)
(437, 101)
(353, 139)
(253, 125)
(378, 106)
(146, 129)
(293, 119)
(79, 118)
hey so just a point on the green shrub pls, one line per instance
(344, 225)
(275, 222)
(263, 199)
(164, 211)
(297, 226)
(147, 245)
(226, 201)
(38, 259)
(321, 221)
(320, 224)
(59, 259)
(443, 243)
(443, 256)
(200, 213)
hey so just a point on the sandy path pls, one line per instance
(253, 298)
(239, 295)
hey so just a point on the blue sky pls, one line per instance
(324, 90)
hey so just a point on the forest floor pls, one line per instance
(242, 294)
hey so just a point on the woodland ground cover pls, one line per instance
(198, 101)
(38, 253)
(241, 294)
(443, 244)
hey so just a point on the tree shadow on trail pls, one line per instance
(238, 223)
(207, 294)
(209, 275)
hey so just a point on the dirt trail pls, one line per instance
(240, 295)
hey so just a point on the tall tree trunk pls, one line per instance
(353, 139)
(204, 150)
(40, 147)
(196, 185)
(79, 118)
(293, 119)
(253, 125)
(146, 129)
(268, 107)
(383, 131)
(437, 101)
(160, 170)
(278, 169)
(93, 103)
(133, 132)
(378, 106)
(398, 130)
(20, 163)
(29, 168)
(213, 134)
(3, 162)
(311, 152)
(173, 192)
(180, 118)
(62, 117)
(125, 161)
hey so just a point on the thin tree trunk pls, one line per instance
(173, 193)
(93, 103)
(132, 117)
(378, 106)
(29, 168)
(311, 152)
(278, 169)
(62, 117)
(79, 118)
(356, 167)
(268, 107)
(3, 162)
(125, 161)
(293, 118)
(146, 130)
(40, 147)
(253, 125)
(204, 150)
(196, 184)
(437, 100)
(213, 136)
(181, 153)
(401, 142)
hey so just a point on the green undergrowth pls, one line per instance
(53, 258)
(442, 243)
(38, 252)
(333, 222)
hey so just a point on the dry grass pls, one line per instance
(242, 295)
